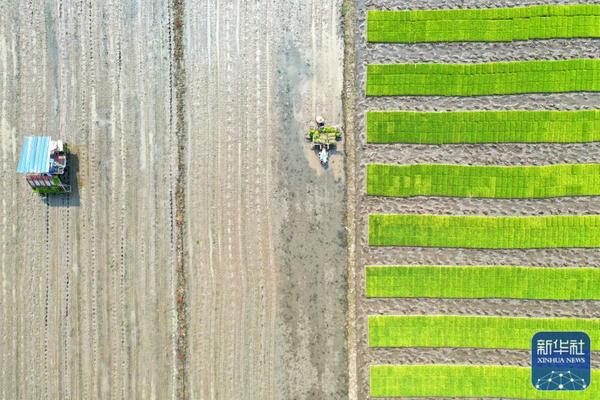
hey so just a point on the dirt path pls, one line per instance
(88, 302)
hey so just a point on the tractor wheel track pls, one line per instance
(87, 357)
(115, 288)
(93, 228)
(65, 267)
(46, 296)
(6, 258)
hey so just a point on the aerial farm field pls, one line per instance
(474, 193)
(202, 252)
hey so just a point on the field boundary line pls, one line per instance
(349, 16)
(178, 73)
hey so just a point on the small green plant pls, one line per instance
(494, 78)
(481, 232)
(473, 381)
(473, 332)
(533, 182)
(483, 126)
(331, 129)
(485, 25)
(313, 133)
(479, 282)
(324, 134)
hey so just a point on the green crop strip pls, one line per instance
(479, 282)
(518, 182)
(484, 232)
(483, 127)
(496, 78)
(475, 332)
(485, 25)
(467, 381)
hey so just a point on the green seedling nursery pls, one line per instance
(482, 79)
(472, 381)
(514, 182)
(483, 232)
(421, 110)
(512, 126)
(470, 332)
(483, 281)
(485, 25)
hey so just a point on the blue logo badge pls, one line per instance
(560, 361)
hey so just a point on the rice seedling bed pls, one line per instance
(484, 232)
(484, 25)
(492, 78)
(467, 381)
(480, 232)
(483, 127)
(472, 332)
(514, 182)
(478, 282)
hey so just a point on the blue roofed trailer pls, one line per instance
(44, 163)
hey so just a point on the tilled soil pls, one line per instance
(87, 295)
(89, 303)
(488, 154)
(266, 243)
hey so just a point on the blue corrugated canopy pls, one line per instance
(35, 155)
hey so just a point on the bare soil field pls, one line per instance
(265, 233)
(488, 154)
(89, 303)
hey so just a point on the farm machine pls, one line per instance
(44, 163)
(323, 139)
